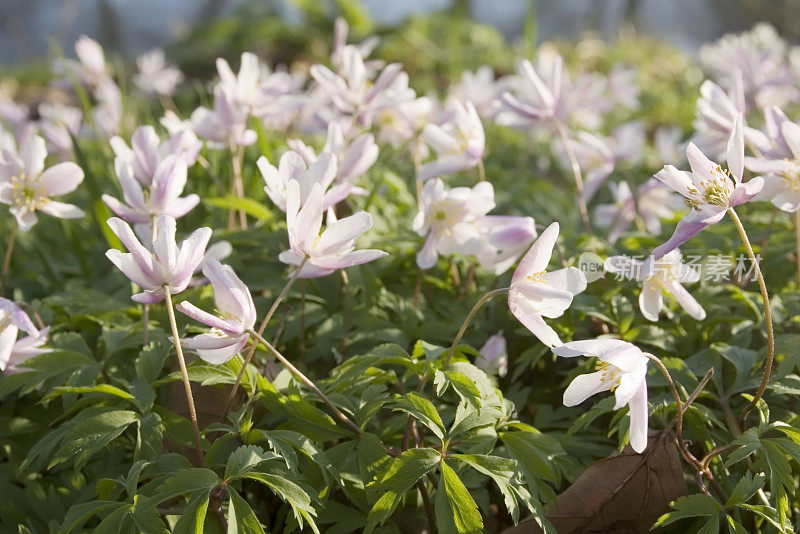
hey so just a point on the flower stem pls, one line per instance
(238, 189)
(679, 407)
(767, 318)
(305, 380)
(576, 172)
(345, 310)
(481, 171)
(478, 305)
(186, 384)
(7, 258)
(261, 328)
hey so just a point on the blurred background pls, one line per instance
(36, 29)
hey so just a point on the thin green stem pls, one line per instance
(767, 318)
(478, 305)
(576, 172)
(261, 329)
(7, 258)
(186, 384)
(307, 381)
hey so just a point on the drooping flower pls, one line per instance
(709, 190)
(141, 206)
(658, 277)
(622, 368)
(778, 160)
(225, 126)
(156, 76)
(536, 293)
(537, 93)
(236, 310)
(449, 220)
(595, 157)
(28, 188)
(147, 151)
(494, 355)
(458, 144)
(332, 249)
(167, 266)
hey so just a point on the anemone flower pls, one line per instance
(459, 144)
(536, 293)
(622, 368)
(709, 190)
(28, 188)
(237, 312)
(168, 266)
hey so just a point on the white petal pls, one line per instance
(583, 387)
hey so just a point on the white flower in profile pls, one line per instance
(459, 143)
(353, 159)
(225, 126)
(28, 188)
(622, 369)
(59, 124)
(778, 160)
(715, 116)
(334, 248)
(536, 293)
(108, 111)
(148, 151)
(595, 157)
(448, 219)
(292, 167)
(494, 355)
(237, 313)
(666, 275)
(156, 76)
(90, 69)
(537, 92)
(656, 201)
(243, 86)
(504, 238)
(617, 217)
(13, 351)
(482, 89)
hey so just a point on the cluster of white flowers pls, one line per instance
(356, 101)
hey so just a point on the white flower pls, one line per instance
(459, 144)
(536, 293)
(494, 355)
(657, 277)
(622, 369)
(156, 76)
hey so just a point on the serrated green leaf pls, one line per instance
(456, 511)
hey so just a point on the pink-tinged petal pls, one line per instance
(61, 210)
(691, 225)
(638, 419)
(222, 354)
(744, 192)
(385, 79)
(341, 233)
(179, 207)
(309, 220)
(538, 256)
(25, 219)
(584, 386)
(164, 246)
(62, 178)
(128, 266)
(32, 154)
(440, 141)
(767, 166)
(123, 211)
(348, 259)
(8, 336)
(144, 144)
(700, 164)
(651, 300)
(361, 155)
(230, 294)
(191, 253)
(444, 165)
(678, 180)
(591, 347)
(735, 150)
(149, 297)
(532, 320)
(131, 188)
(568, 279)
(225, 72)
(169, 180)
(142, 256)
(790, 133)
(427, 256)
(323, 171)
(336, 194)
(685, 300)
(543, 93)
(230, 327)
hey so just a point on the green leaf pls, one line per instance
(456, 511)
(698, 505)
(747, 486)
(189, 481)
(246, 459)
(90, 436)
(80, 513)
(250, 206)
(241, 518)
(534, 461)
(465, 388)
(423, 410)
(106, 389)
(193, 516)
(150, 437)
(288, 491)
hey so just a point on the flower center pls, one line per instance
(26, 191)
(716, 190)
(792, 176)
(609, 373)
(536, 277)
